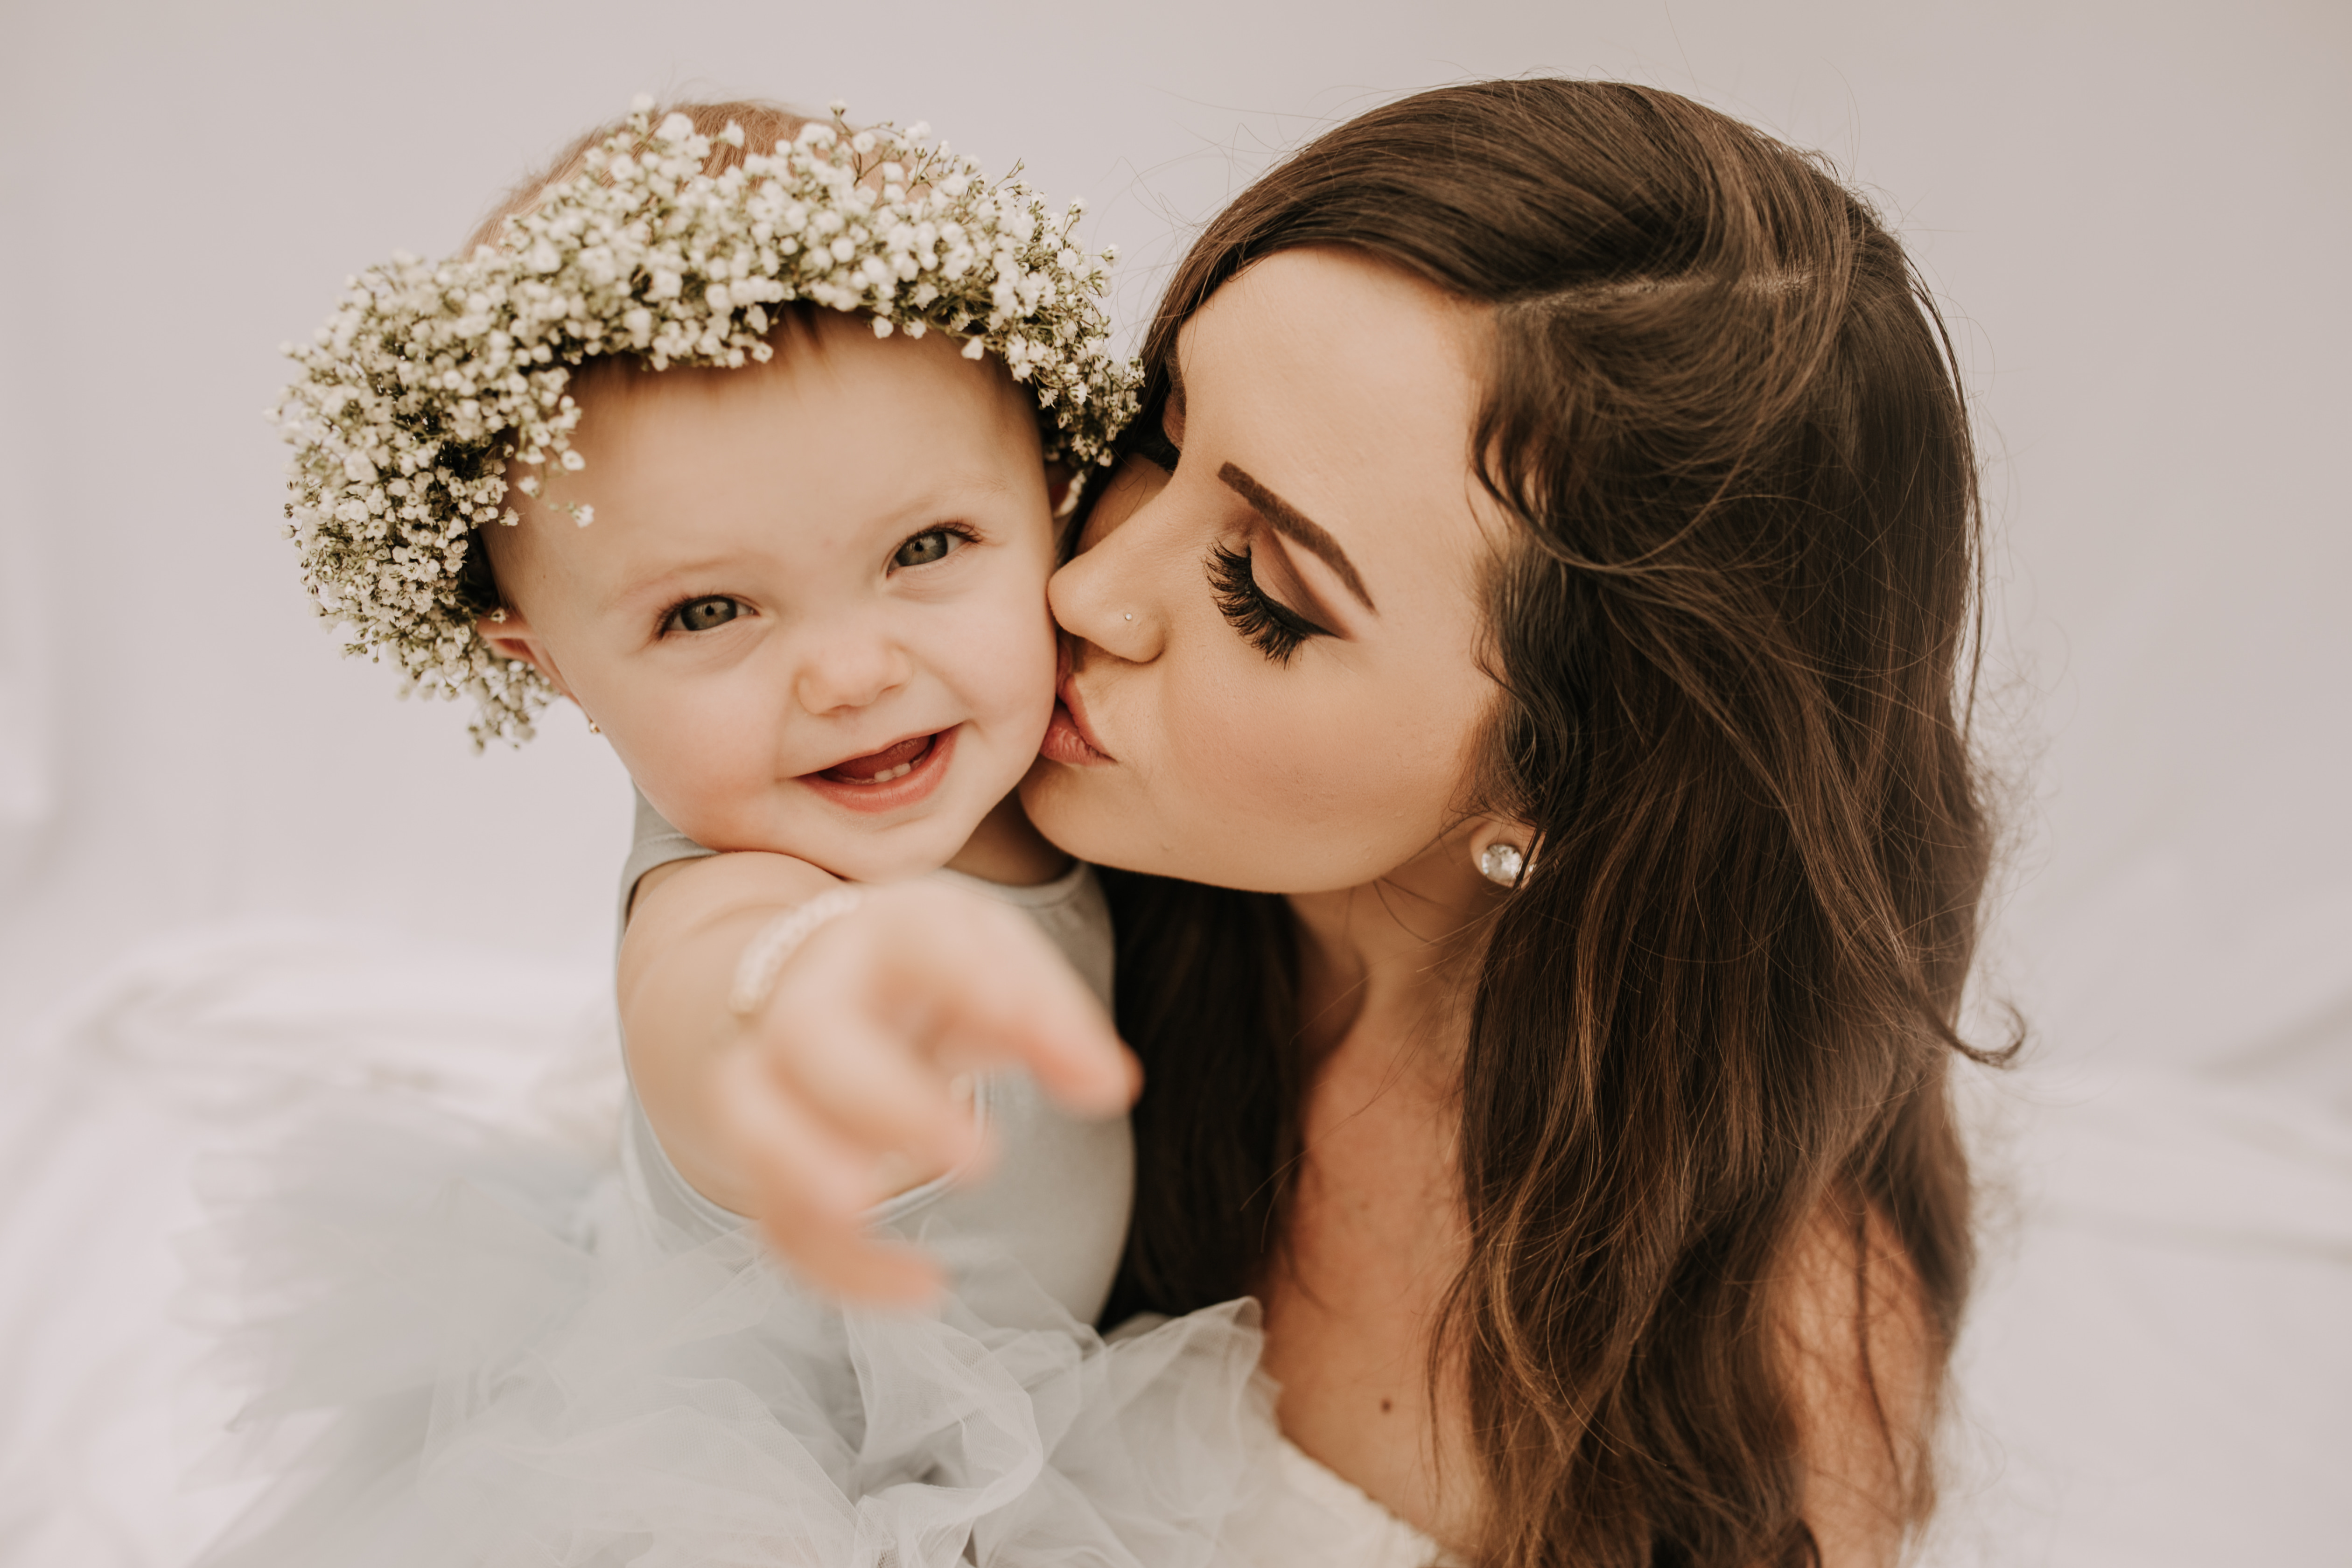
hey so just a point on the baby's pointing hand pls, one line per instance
(855, 1068)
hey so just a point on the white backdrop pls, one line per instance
(2135, 212)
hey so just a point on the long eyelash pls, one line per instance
(1274, 630)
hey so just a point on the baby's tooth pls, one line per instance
(901, 771)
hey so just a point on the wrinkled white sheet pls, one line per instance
(209, 1043)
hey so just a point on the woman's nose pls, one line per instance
(1107, 597)
(848, 672)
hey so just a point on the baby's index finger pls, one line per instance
(986, 975)
(1029, 1003)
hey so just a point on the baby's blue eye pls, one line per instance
(925, 548)
(703, 614)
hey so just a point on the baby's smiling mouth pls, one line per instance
(880, 767)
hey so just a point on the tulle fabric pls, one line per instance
(472, 1350)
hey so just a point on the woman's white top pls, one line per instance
(1307, 1517)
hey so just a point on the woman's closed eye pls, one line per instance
(1273, 628)
(704, 613)
(930, 545)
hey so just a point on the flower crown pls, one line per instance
(431, 377)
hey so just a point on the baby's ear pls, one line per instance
(510, 636)
(1061, 488)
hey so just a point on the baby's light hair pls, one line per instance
(764, 125)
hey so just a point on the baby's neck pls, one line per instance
(1006, 849)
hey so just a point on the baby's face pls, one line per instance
(810, 612)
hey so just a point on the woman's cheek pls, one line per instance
(1260, 754)
(1317, 782)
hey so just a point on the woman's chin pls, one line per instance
(1071, 806)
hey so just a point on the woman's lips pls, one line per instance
(900, 775)
(1069, 738)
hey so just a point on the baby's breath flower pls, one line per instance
(431, 378)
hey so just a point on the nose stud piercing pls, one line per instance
(1131, 614)
(1502, 863)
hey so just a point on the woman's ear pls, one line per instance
(509, 632)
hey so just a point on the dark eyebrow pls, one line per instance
(1294, 524)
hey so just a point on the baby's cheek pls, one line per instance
(1001, 659)
(704, 762)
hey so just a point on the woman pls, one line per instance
(1521, 679)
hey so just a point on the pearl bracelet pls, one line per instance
(765, 955)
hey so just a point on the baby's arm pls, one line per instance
(798, 1116)
(687, 929)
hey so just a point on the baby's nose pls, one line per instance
(849, 673)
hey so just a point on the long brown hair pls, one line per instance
(1734, 636)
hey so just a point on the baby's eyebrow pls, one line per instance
(644, 590)
(1294, 524)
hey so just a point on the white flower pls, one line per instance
(676, 128)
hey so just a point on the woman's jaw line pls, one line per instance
(904, 774)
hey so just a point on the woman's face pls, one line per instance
(1274, 680)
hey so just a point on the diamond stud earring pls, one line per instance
(1502, 863)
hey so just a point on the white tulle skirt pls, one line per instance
(465, 1349)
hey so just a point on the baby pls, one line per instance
(810, 616)
(760, 461)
